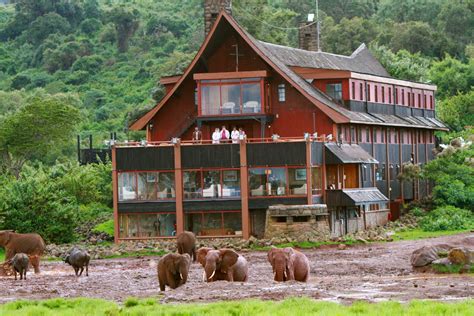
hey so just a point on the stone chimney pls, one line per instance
(307, 36)
(212, 8)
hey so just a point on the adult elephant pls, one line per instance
(186, 242)
(222, 264)
(173, 270)
(289, 264)
(30, 244)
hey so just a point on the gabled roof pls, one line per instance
(281, 58)
(361, 60)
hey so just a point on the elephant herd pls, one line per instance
(173, 269)
(24, 249)
(226, 264)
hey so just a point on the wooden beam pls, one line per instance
(178, 178)
(244, 190)
(309, 185)
(115, 194)
(230, 75)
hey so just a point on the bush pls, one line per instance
(105, 227)
(447, 218)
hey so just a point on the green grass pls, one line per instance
(305, 245)
(293, 306)
(418, 233)
(454, 268)
(2, 254)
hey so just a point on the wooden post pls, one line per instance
(115, 194)
(178, 178)
(244, 190)
(387, 160)
(323, 171)
(309, 185)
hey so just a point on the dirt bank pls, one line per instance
(372, 272)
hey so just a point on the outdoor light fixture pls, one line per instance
(150, 126)
(275, 137)
(329, 137)
(175, 140)
(307, 136)
(315, 135)
(143, 142)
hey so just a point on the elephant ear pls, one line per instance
(229, 258)
(201, 254)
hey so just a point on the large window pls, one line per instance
(267, 181)
(231, 96)
(147, 225)
(334, 90)
(211, 184)
(146, 186)
(215, 223)
(317, 181)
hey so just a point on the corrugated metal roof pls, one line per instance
(361, 60)
(347, 153)
(365, 195)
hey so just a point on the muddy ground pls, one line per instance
(372, 272)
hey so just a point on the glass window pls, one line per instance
(353, 134)
(316, 180)
(230, 183)
(281, 92)
(334, 90)
(368, 92)
(277, 181)
(297, 181)
(127, 186)
(214, 223)
(212, 184)
(147, 225)
(166, 185)
(258, 182)
(192, 184)
(147, 185)
(353, 90)
(232, 223)
(390, 95)
(210, 99)
(380, 172)
(367, 135)
(361, 92)
(252, 99)
(230, 95)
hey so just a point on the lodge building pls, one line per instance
(320, 129)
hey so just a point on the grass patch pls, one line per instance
(305, 245)
(453, 268)
(418, 233)
(293, 306)
(2, 254)
(138, 254)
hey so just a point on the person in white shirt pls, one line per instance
(235, 135)
(225, 135)
(242, 132)
(216, 136)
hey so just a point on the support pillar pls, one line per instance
(244, 190)
(115, 194)
(309, 179)
(178, 178)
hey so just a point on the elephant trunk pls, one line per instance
(280, 272)
(210, 270)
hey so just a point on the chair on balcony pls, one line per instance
(251, 107)
(258, 191)
(228, 107)
(213, 191)
(302, 190)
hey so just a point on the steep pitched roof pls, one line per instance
(361, 60)
(276, 57)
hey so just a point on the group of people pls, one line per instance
(221, 135)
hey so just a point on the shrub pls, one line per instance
(447, 218)
(105, 227)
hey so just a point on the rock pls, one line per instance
(362, 240)
(427, 254)
(442, 261)
(342, 247)
(460, 256)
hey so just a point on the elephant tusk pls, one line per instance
(204, 276)
(284, 274)
(214, 272)
(274, 275)
(181, 276)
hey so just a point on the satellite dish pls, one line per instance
(311, 17)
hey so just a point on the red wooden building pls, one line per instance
(343, 125)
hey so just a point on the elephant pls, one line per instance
(289, 264)
(187, 244)
(222, 264)
(173, 270)
(30, 244)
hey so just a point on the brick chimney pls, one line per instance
(212, 8)
(308, 36)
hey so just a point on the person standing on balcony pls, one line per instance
(216, 136)
(242, 133)
(225, 135)
(235, 135)
(197, 136)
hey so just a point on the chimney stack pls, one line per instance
(212, 8)
(308, 36)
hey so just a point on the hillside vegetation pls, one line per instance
(91, 67)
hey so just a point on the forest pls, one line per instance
(90, 67)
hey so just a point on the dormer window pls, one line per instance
(334, 90)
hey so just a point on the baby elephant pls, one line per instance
(78, 259)
(173, 270)
(20, 264)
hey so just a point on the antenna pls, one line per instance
(317, 24)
